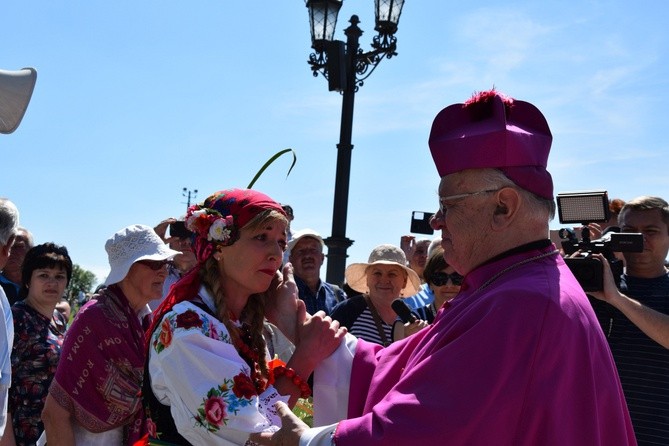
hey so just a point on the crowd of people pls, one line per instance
(211, 326)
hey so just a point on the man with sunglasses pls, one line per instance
(517, 357)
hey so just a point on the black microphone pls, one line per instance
(403, 311)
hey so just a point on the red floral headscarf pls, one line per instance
(216, 222)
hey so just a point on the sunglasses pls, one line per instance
(440, 279)
(155, 265)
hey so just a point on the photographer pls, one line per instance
(179, 240)
(636, 319)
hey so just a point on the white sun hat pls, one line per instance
(356, 273)
(299, 235)
(131, 244)
(16, 89)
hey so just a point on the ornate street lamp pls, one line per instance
(346, 66)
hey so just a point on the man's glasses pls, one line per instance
(155, 265)
(440, 279)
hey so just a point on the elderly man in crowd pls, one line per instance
(517, 358)
(9, 220)
(10, 278)
(306, 255)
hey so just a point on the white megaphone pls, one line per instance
(16, 88)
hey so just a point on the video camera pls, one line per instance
(585, 208)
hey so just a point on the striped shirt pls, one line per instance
(364, 327)
(354, 314)
(643, 364)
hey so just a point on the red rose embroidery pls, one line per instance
(165, 333)
(189, 319)
(213, 331)
(243, 387)
(214, 410)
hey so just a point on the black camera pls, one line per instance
(420, 222)
(585, 208)
(178, 229)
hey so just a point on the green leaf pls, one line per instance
(270, 161)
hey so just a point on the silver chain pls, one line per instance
(515, 265)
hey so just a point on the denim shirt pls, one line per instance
(325, 298)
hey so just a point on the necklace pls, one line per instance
(515, 265)
(251, 357)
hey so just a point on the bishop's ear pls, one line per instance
(508, 201)
(501, 209)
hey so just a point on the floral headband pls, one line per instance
(217, 221)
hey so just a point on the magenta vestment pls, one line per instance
(521, 361)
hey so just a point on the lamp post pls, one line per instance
(346, 66)
(187, 193)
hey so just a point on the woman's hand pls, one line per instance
(283, 308)
(408, 245)
(291, 430)
(402, 330)
(317, 338)
(414, 327)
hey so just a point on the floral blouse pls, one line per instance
(195, 369)
(35, 355)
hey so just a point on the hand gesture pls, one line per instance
(161, 228)
(317, 338)
(283, 308)
(414, 327)
(609, 290)
(291, 430)
(402, 330)
(595, 230)
(408, 245)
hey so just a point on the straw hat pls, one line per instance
(356, 273)
(131, 244)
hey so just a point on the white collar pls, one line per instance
(207, 299)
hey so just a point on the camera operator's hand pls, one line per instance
(161, 228)
(595, 230)
(609, 291)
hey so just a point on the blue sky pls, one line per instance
(136, 100)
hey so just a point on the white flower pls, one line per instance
(190, 221)
(218, 231)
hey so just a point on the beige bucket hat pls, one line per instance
(356, 273)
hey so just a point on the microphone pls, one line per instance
(403, 311)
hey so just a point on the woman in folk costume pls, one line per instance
(208, 378)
